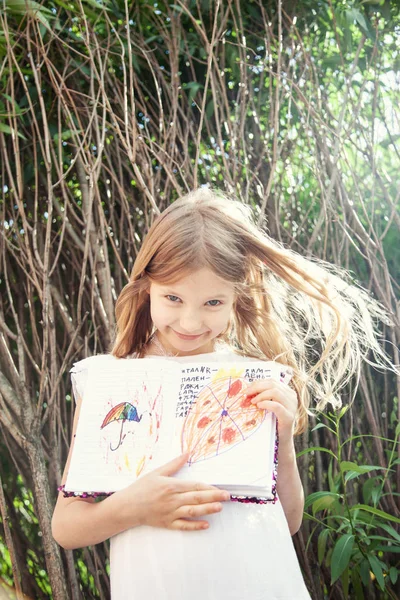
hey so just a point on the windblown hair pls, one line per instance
(304, 313)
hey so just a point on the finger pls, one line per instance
(271, 394)
(260, 385)
(173, 466)
(203, 497)
(193, 512)
(186, 525)
(194, 486)
(274, 407)
(286, 397)
(266, 384)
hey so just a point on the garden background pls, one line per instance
(111, 109)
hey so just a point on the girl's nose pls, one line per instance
(190, 324)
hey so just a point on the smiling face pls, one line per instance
(190, 313)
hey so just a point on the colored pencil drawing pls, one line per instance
(131, 428)
(220, 418)
(125, 411)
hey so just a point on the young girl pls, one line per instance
(208, 283)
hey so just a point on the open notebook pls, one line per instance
(136, 415)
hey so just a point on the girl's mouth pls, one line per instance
(187, 337)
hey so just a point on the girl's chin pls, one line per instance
(198, 344)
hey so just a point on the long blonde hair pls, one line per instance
(304, 313)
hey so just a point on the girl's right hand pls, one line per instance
(159, 500)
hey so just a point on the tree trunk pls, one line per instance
(44, 510)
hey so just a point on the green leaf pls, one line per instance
(352, 466)
(318, 426)
(26, 5)
(34, 9)
(360, 19)
(6, 129)
(18, 111)
(314, 449)
(98, 5)
(367, 435)
(377, 570)
(357, 585)
(343, 411)
(319, 495)
(63, 5)
(210, 109)
(390, 531)
(193, 88)
(151, 39)
(371, 489)
(332, 485)
(393, 574)
(381, 538)
(351, 475)
(354, 470)
(341, 556)
(322, 539)
(177, 8)
(365, 572)
(323, 503)
(345, 582)
(329, 558)
(388, 548)
(375, 511)
(67, 134)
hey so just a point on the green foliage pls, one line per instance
(5, 564)
(28, 526)
(356, 541)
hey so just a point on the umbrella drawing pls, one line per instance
(122, 412)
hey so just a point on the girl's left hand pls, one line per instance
(278, 398)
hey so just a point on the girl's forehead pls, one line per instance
(203, 279)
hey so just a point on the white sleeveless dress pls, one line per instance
(247, 552)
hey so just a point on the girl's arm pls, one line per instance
(156, 499)
(279, 398)
(289, 486)
(79, 522)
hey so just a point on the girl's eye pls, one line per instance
(215, 301)
(210, 302)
